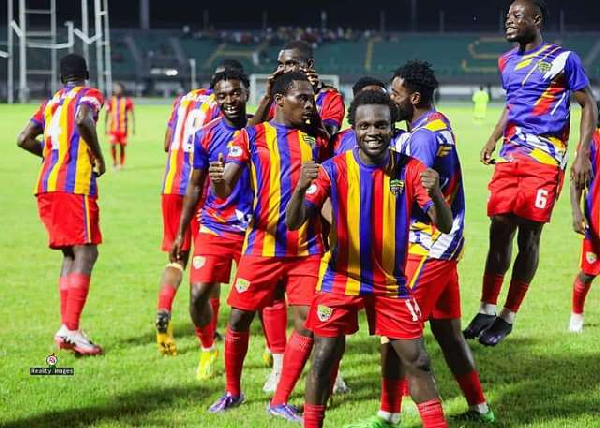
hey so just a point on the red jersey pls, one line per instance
(119, 108)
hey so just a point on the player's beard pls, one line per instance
(405, 112)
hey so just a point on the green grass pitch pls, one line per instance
(542, 376)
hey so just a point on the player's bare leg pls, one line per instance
(203, 317)
(297, 352)
(524, 268)
(419, 375)
(326, 356)
(502, 232)
(581, 287)
(84, 258)
(236, 346)
(459, 359)
(171, 279)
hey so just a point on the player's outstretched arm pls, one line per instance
(490, 146)
(224, 177)
(439, 212)
(581, 170)
(192, 196)
(26, 139)
(86, 126)
(296, 212)
(579, 222)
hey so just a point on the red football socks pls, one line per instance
(236, 347)
(391, 394)
(215, 304)
(206, 335)
(313, 415)
(63, 288)
(516, 294)
(492, 283)
(471, 387)
(580, 291)
(79, 286)
(432, 414)
(296, 353)
(166, 296)
(274, 320)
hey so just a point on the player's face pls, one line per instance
(118, 90)
(231, 97)
(401, 96)
(521, 23)
(373, 128)
(292, 60)
(298, 104)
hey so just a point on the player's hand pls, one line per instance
(175, 252)
(579, 223)
(99, 167)
(216, 170)
(581, 172)
(487, 152)
(308, 172)
(270, 81)
(312, 76)
(430, 180)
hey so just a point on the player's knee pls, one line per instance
(419, 361)
(199, 294)
(585, 278)
(239, 320)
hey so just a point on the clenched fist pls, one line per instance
(308, 172)
(216, 170)
(430, 180)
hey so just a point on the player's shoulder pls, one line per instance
(197, 95)
(330, 91)
(92, 95)
(505, 57)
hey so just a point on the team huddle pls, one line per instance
(324, 222)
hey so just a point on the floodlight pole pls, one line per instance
(85, 28)
(22, 53)
(99, 53)
(10, 83)
(192, 73)
(53, 50)
(105, 41)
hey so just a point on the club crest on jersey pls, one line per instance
(235, 151)
(309, 140)
(242, 285)
(312, 189)
(396, 186)
(590, 257)
(324, 313)
(544, 67)
(198, 262)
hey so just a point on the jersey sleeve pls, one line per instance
(414, 169)
(239, 148)
(320, 189)
(422, 145)
(173, 115)
(324, 149)
(94, 98)
(332, 112)
(575, 73)
(201, 157)
(38, 117)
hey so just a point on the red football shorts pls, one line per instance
(119, 138)
(258, 277)
(70, 219)
(434, 284)
(526, 189)
(213, 257)
(171, 212)
(334, 315)
(590, 250)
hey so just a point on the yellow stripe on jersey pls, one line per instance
(84, 168)
(417, 273)
(388, 254)
(353, 214)
(306, 155)
(274, 191)
(63, 145)
(436, 125)
(542, 156)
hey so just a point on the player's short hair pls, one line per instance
(371, 97)
(419, 77)
(365, 81)
(543, 8)
(230, 63)
(230, 74)
(284, 82)
(303, 47)
(73, 66)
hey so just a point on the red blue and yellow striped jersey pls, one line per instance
(119, 108)
(592, 199)
(371, 210)
(67, 160)
(344, 141)
(190, 112)
(274, 154)
(432, 142)
(330, 106)
(232, 214)
(538, 86)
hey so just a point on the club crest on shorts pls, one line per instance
(590, 257)
(242, 285)
(396, 186)
(324, 313)
(198, 262)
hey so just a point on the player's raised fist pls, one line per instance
(430, 180)
(216, 170)
(308, 172)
